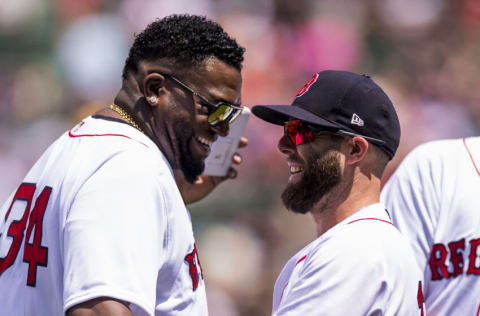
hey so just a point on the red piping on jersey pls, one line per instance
(474, 165)
(301, 259)
(371, 219)
(478, 312)
(94, 135)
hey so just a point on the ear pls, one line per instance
(357, 148)
(154, 88)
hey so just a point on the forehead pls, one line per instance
(218, 81)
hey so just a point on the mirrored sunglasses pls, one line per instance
(217, 113)
(302, 133)
(223, 112)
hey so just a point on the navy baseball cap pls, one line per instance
(341, 101)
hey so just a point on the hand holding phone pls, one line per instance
(221, 152)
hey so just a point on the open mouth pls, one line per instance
(295, 169)
(205, 143)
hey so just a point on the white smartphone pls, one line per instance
(221, 152)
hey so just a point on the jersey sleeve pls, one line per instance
(412, 198)
(114, 235)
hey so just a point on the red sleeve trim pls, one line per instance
(95, 135)
(478, 311)
(301, 259)
(371, 219)
(471, 157)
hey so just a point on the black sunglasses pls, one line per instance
(220, 112)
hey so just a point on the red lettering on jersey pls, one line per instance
(456, 256)
(194, 261)
(16, 229)
(437, 261)
(307, 85)
(472, 269)
(34, 254)
(456, 250)
(420, 298)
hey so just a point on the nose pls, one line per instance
(285, 146)
(221, 128)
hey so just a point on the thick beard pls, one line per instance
(190, 166)
(321, 174)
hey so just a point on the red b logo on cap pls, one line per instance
(307, 85)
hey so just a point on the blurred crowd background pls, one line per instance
(61, 60)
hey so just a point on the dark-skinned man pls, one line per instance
(99, 225)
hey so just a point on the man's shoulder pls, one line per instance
(111, 139)
(435, 160)
(103, 130)
(374, 249)
(110, 150)
(369, 235)
(438, 150)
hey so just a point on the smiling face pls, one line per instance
(315, 170)
(193, 135)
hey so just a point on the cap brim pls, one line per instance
(280, 114)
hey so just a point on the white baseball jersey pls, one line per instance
(99, 214)
(434, 198)
(361, 266)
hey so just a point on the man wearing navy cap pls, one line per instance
(339, 134)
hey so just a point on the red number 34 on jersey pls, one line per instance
(34, 254)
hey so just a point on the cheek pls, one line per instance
(182, 114)
(303, 154)
(200, 124)
(309, 153)
(181, 122)
(200, 119)
(198, 115)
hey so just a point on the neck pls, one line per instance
(131, 99)
(154, 125)
(345, 200)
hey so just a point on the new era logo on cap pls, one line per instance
(356, 120)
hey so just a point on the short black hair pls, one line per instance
(187, 39)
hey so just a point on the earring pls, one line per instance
(153, 99)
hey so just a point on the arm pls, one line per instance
(102, 306)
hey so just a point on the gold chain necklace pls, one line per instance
(125, 116)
